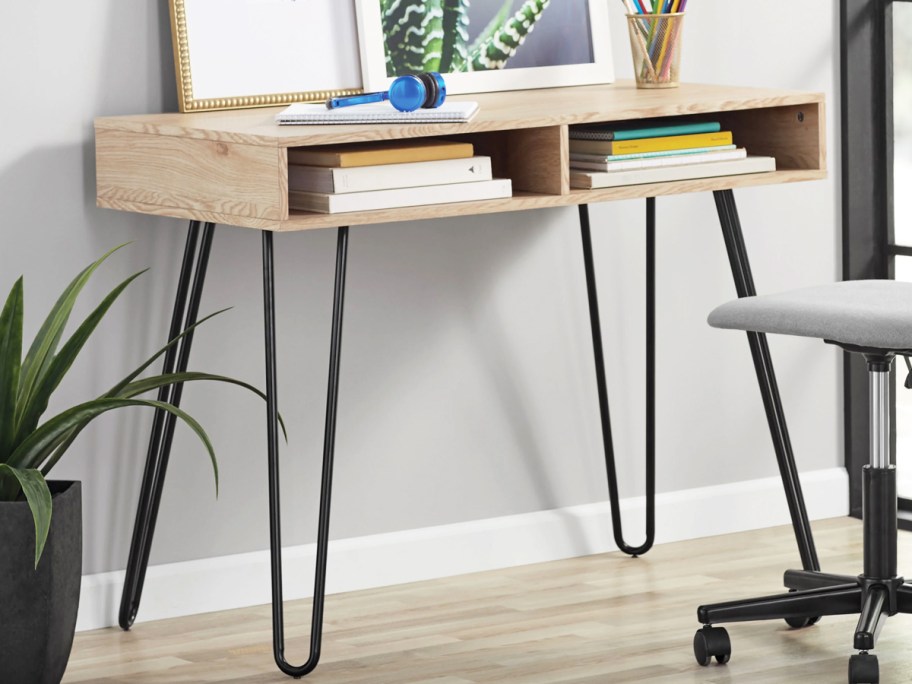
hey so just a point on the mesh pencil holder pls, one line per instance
(655, 43)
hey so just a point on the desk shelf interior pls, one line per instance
(537, 162)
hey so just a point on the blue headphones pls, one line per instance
(406, 93)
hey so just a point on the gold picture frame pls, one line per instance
(244, 58)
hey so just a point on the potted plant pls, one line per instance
(40, 521)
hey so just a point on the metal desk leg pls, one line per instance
(329, 435)
(766, 377)
(176, 359)
(603, 389)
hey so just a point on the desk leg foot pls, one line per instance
(607, 439)
(176, 359)
(766, 377)
(329, 435)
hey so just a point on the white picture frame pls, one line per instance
(231, 54)
(598, 68)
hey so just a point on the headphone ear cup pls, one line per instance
(441, 88)
(431, 89)
(408, 93)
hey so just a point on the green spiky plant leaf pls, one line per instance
(29, 448)
(454, 50)
(432, 35)
(498, 21)
(494, 51)
(410, 28)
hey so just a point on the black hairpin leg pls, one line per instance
(766, 377)
(176, 359)
(329, 437)
(607, 441)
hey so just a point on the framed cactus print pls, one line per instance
(486, 45)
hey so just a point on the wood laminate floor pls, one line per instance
(598, 619)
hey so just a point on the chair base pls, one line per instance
(811, 596)
(874, 595)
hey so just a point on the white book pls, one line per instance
(652, 162)
(327, 203)
(388, 176)
(664, 174)
(375, 112)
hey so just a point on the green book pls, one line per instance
(612, 132)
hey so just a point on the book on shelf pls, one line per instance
(330, 203)
(582, 156)
(622, 132)
(652, 162)
(669, 142)
(365, 178)
(379, 152)
(450, 111)
(665, 174)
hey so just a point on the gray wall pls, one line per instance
(467, 388)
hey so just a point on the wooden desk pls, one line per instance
(232, 168)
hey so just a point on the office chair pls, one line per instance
(872, 318)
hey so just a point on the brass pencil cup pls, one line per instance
(655, 44)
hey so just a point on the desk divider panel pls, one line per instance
(536, 160)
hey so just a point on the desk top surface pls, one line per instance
(498, 111)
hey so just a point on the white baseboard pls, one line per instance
(235, 581)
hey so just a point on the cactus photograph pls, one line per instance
(451, 36)
(484, 46)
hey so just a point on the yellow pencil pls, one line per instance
(664, 46)
(671, 37)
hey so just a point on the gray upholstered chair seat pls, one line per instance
(866, 313)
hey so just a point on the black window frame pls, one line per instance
(868, 246)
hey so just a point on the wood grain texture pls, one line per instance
(794, 134)
(605, 619)
(537, 159)
(232, 166)
(203, 175)
(499, 111)
(520, 201)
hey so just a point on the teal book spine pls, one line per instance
(605, 133)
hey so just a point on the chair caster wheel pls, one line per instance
(863, 669)
(800, 622)
(712, 642)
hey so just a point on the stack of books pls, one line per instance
(386, 174)
(611, 155)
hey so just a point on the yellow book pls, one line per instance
(669, 142)
(380, 152)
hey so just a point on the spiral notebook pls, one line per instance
(378, 112)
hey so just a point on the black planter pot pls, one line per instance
(38, 606)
